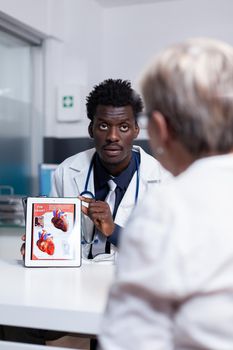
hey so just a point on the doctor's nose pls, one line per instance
(113, 134)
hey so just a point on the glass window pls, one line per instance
(15, 114)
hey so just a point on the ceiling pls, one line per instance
(115, 3)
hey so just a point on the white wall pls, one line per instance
(72, 50)
(74, 60)
(31, 12)
(87, 43)
(133, 34)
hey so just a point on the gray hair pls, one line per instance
(191, 84)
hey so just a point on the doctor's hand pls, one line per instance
(99, 212)
(22, 249)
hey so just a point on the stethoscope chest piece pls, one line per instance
(87, 194)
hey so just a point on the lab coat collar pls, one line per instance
(82, 161)
(81, 164)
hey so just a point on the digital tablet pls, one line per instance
(53, 232)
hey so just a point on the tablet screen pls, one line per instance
(52, 231)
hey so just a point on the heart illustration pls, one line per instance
(60, 220)
(45, 242)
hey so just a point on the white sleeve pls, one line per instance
(138, 314)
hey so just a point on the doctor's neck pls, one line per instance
(115, 167)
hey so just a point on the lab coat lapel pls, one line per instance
(127, 203)
(80, 181)
(147, 178)
(81, 167)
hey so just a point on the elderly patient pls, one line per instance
(174, 287)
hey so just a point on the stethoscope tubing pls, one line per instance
(89, 194)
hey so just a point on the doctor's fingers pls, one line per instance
(101, 216)
(22, 250)
(84, 210)
(94, 209)
(98, 207)
(104, 223)
(86, 200)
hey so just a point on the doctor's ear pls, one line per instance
(90, 129)
(136, 130)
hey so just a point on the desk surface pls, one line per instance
(66, 299)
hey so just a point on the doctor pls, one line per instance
(112, 107)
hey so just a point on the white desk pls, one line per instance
(10, 242)
(64, 299)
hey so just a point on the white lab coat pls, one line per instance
(70, 177)
(174, 287)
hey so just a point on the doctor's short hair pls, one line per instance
(113, 92)
(191, 84)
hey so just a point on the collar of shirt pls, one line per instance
(101, 176)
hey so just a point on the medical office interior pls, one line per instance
(52, 53)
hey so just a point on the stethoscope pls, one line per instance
(89, 194)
